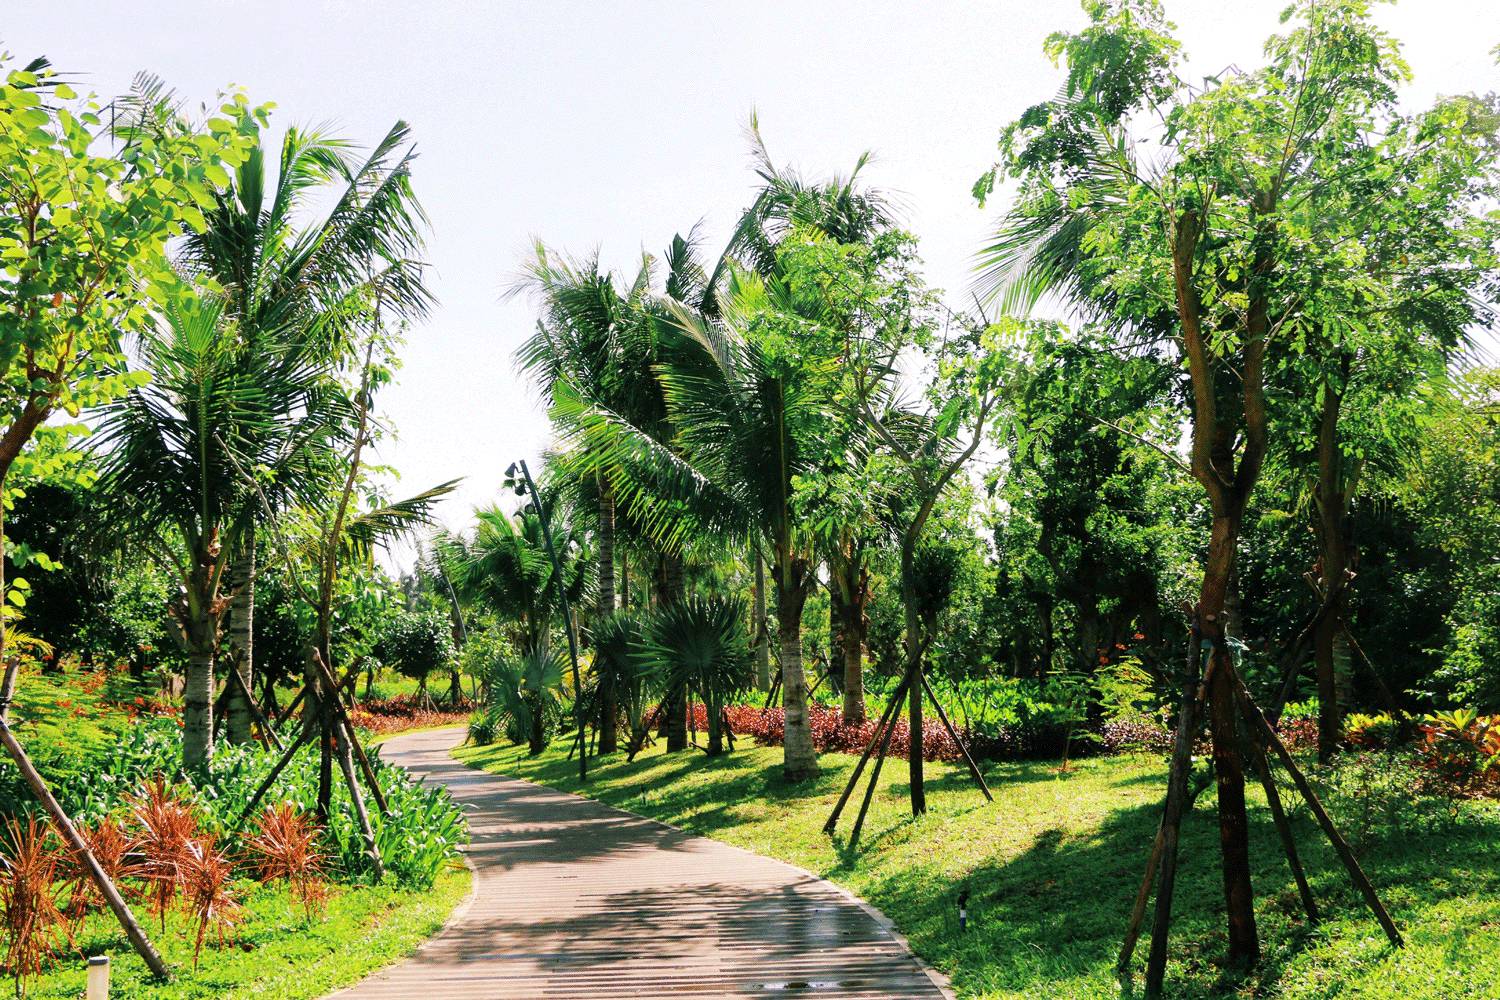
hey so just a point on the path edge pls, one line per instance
(454, 915)
(939, 980)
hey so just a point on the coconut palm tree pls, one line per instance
(290, 285)
(172, 453)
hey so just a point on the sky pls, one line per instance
(610, 126)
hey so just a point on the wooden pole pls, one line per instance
(1177, 786)
(268, 735)
(1283, 827)
(885, 718)
(342, 716)
(346, 764)
(1340, 846)
(270, 779)
(864, 806)
(973, 767)
(70, 835)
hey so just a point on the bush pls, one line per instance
(418, 836)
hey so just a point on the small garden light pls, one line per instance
(963, 909)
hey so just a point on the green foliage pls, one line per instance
(700, 645)
(417, 643)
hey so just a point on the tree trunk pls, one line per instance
(853, 649)
(1331, 505)
(1234, 824)
(913, 669)
(240, 718)
(198, 703)
(800, 758)
(609, 711)
(760, 638)
(537, 739)
(674, 714)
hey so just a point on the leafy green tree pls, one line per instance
(1216, 248)
(417, 643)
(88, 210)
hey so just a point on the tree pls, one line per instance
(416, 643)
(300, 288)
(83, 238)
(1216, 249)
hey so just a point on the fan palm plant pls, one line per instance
(623, 677)
(700, 645)
(523, 693)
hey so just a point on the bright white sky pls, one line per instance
(614, 125)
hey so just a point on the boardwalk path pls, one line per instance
(573, 899)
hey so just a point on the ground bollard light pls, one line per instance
(98, 983)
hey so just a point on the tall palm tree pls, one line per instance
(172, 456)
(304, 288)
(747, 425)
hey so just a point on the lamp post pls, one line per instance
(522, 488)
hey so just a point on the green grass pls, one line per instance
(275, 953)
(1053, 865)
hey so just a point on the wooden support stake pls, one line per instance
(346, 764)
(342, 717)
(270, 779)
(268, 735)
(1283, 827)
(864, 806)
(70, 835)
(1340, 846)
(885, 718)
(973, 767)
(1177, 789)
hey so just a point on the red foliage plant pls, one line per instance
(285, 846)
(111, 847)
(29, 898)
(168, 828)
(206, 873)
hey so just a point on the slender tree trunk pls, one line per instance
(761, 638)
(800, 758)
(312, 701)
(240, 718)
(1234, 824)
(1331, 504)
(853, 648)
(675, 714)
(913, 669)
(609, 710)
(836, 618)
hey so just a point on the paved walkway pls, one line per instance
(575, 899)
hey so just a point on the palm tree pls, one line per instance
(172, 453)
(699, 644)
(305, 288)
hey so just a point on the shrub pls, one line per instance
(481, 729)
(111, 847)
(206, 873)
(167, 828)
(1372, 732)
(28, 894)
(417, 643)
(1462, 748)
(286, 847)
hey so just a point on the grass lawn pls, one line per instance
(1053, 864)
(275, 953)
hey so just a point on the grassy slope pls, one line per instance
(1053, 866)
(275, 953)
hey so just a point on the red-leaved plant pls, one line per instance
(285, 846)
(111, 847)
(206, 874)
(29, 898)
(168, 827)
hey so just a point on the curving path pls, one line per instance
(574, 899)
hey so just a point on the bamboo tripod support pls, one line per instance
(1163, 859)
(881, 738)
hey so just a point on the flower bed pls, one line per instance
(384, 716)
